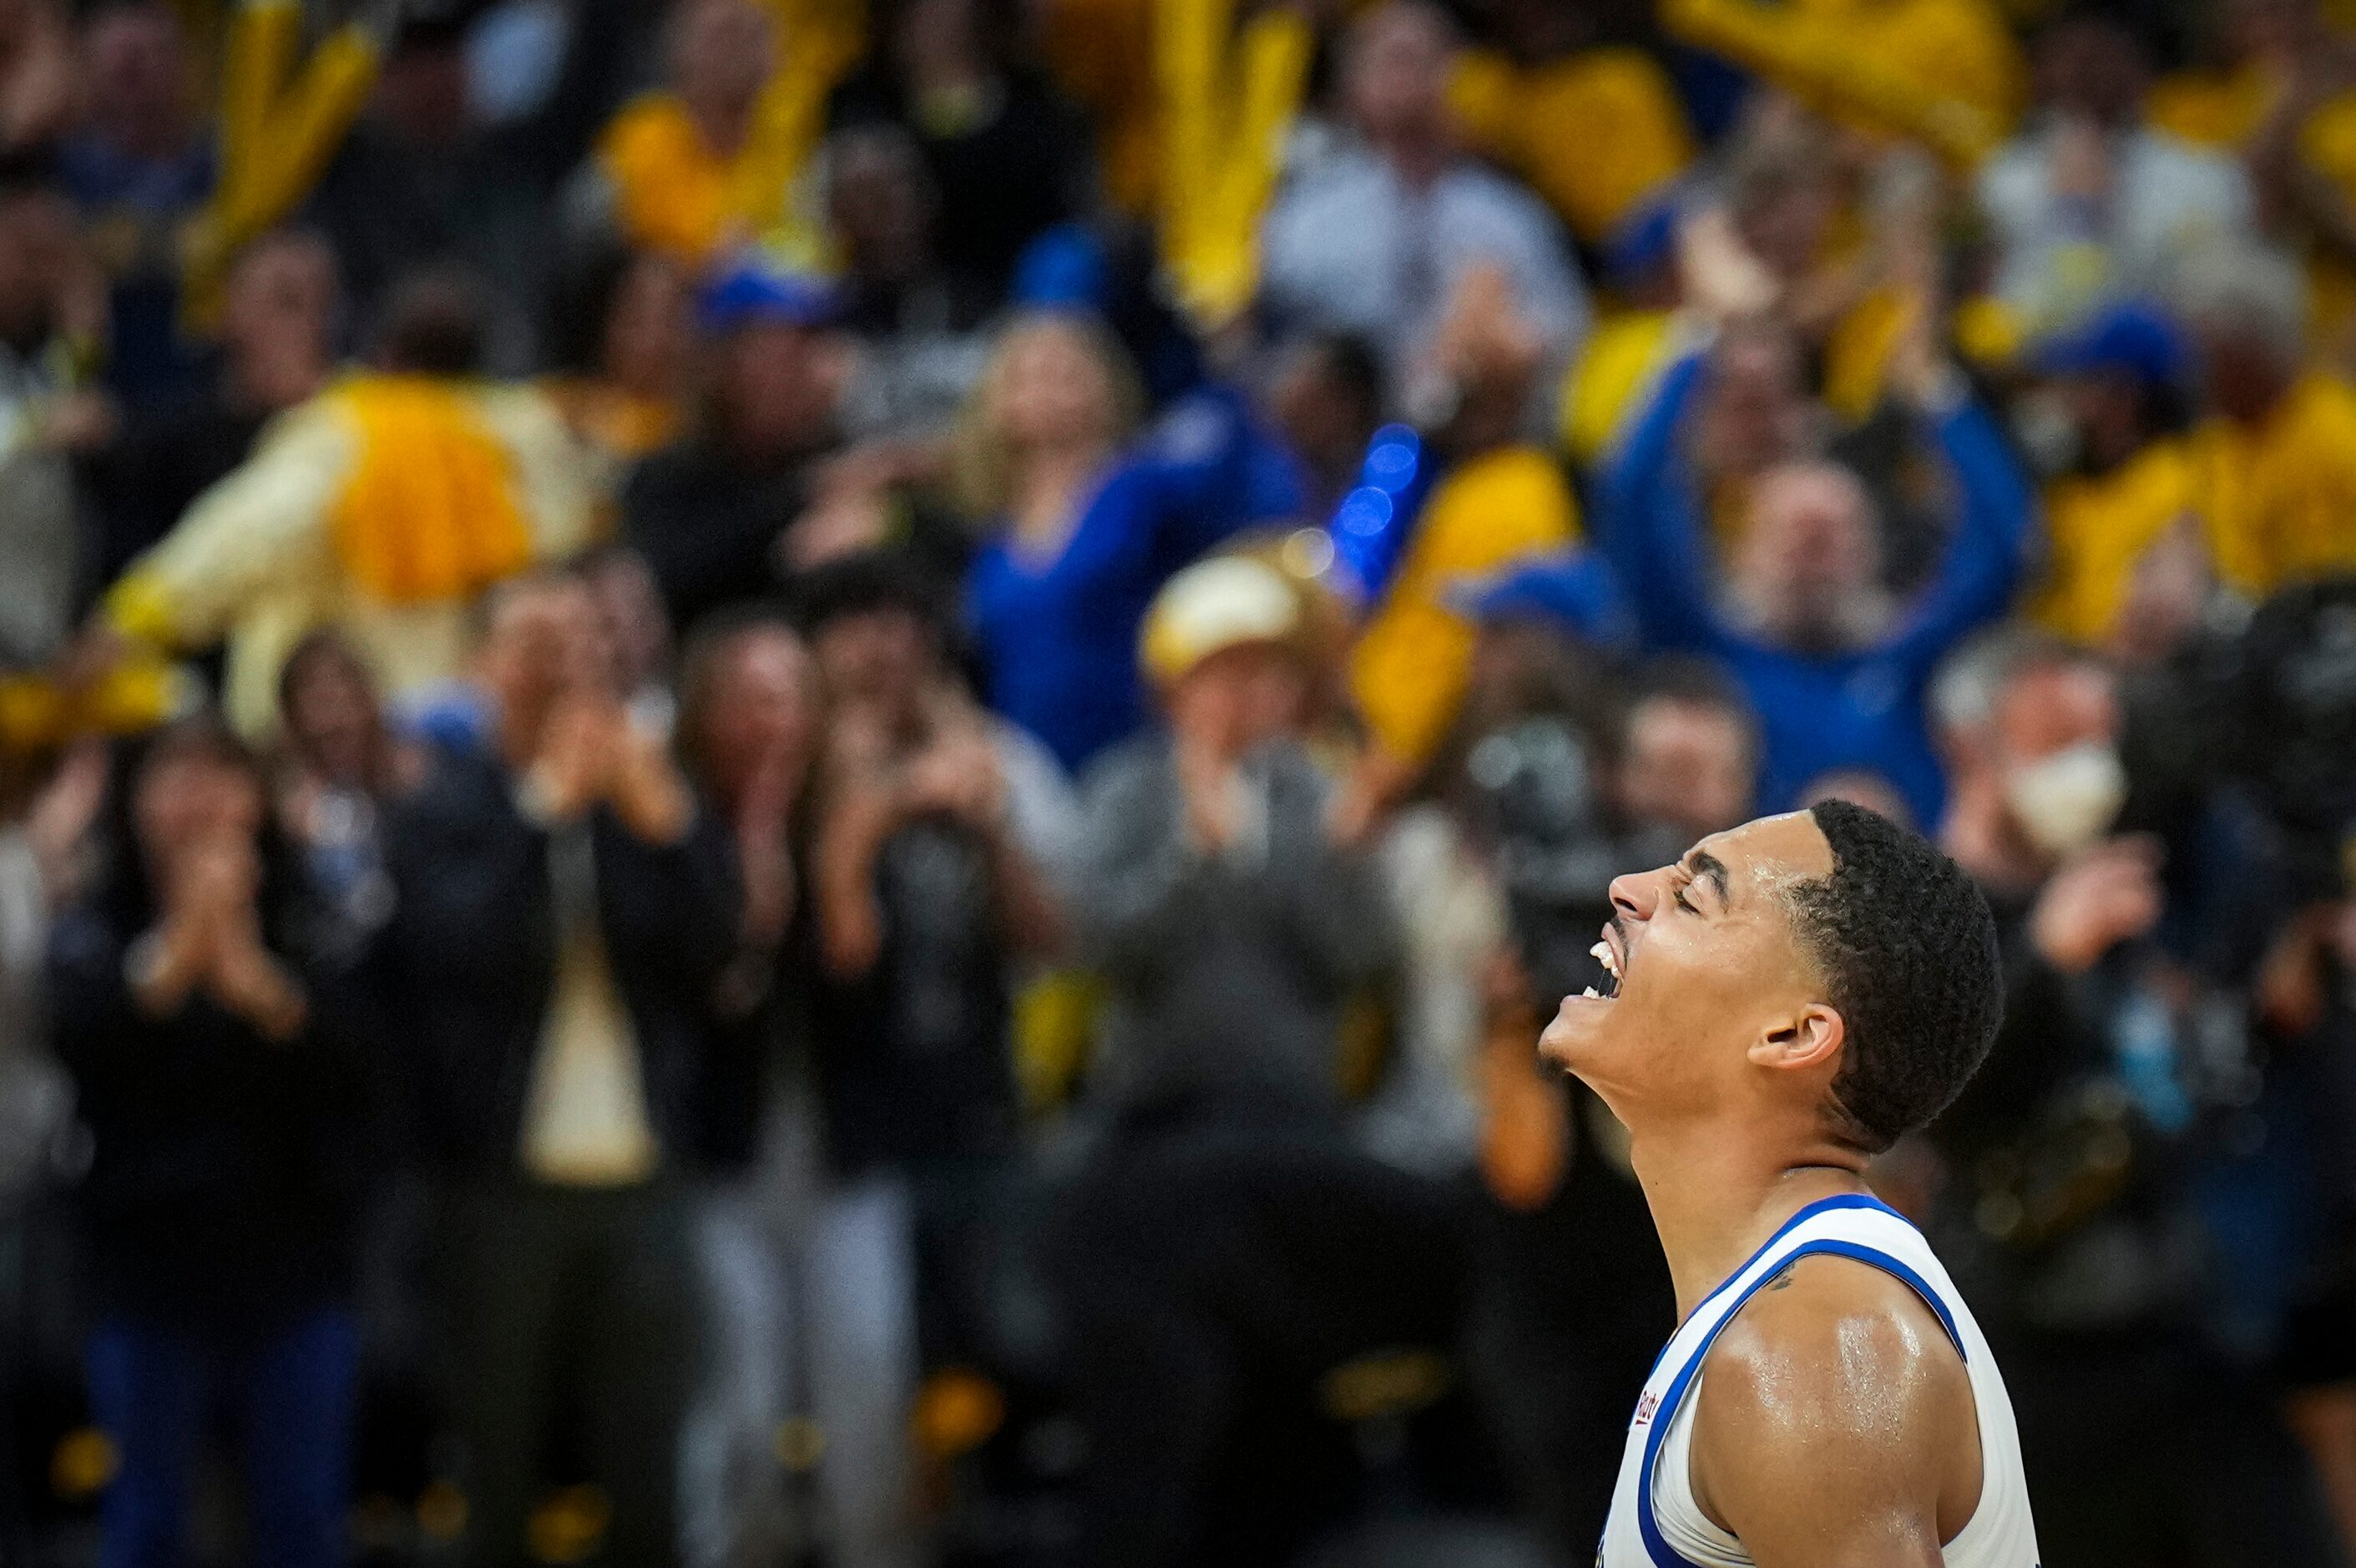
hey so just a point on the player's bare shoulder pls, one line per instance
(1831, 1330)
(1837, 1421)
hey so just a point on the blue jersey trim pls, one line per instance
(1656, 1545)
(1874, 1257)
(1822, 1205)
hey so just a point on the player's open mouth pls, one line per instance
(1607, 953)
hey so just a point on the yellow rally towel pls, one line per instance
(613, 419)
(36, 713)
(1945, 72)
(2280, 500)
(1857, 354)
(2097, 529)
(430, 510)
(1225, 111)
(276, 136)
(1613, 377)
(1101, 54)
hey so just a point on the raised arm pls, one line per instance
(264, 524)
(1989, 548)
(1650, 525)
(1835, 1427)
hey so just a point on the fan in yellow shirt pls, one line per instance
(2098, 528)
(2119, 385)
(710, 164)
(2275, 467)
(383, 506)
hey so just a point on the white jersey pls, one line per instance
(1656, 1523)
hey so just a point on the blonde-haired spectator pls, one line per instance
(1085, 523)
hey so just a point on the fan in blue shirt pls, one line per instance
(1836, 668)
(1054, 609)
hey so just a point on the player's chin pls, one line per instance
(1570, 1039)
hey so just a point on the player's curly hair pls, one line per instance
(1908, 950)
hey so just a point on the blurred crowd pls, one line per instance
(790, 781)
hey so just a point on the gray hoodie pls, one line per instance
(1229, 971)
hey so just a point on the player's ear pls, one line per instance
(1805, 1038)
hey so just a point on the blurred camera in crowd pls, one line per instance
(2296, 695)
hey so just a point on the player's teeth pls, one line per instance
(1602, 953)
(1591, 992)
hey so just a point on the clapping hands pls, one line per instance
(591, 753)
(210, 941)
(957, 776)
(2109, 895)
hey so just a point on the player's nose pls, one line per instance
(1637, 894)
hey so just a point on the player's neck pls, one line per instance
(1715, 1199)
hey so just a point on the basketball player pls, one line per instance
(1785, 1001)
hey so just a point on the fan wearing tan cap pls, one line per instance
(1230, 928)
(1219, 646)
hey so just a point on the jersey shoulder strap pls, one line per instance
(1676, 1532)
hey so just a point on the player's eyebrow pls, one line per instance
(1702, 865)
